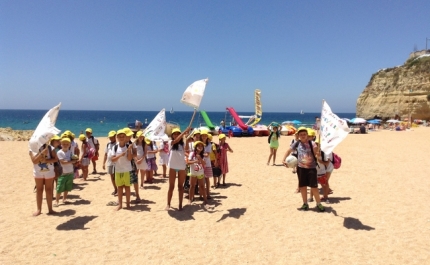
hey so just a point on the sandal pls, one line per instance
(112, 203)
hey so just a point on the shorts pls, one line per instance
(208, 172)
(307, 177)
(85, 162)
(216, 171)
(198, 177)
(94, 158)
(45, 175)
(322, 179)
(133, 177)
(122, 179)
(143, 165)
(164, 159)
(152, 165)
(330, 167)
(65, 183)
(111, 170)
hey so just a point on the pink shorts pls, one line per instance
(322, 179)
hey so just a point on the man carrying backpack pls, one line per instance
(306, 168)
(94, 143)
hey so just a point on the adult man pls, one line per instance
(306, 168)
(94, 143)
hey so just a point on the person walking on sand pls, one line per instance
(206, 157)
(223, 161)
(177, 165)
(94, 143)
(43, 173)
(164, 154)
(65, 181)
(134, 179)
(140, 159)
(122, 159)
(84, 160)
(273, 142)
(306, 169)
(151, 151)
(108, 158)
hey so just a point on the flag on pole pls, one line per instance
(194, 93)
(156, 127)
(45, 130)
(333, 129)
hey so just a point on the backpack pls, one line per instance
(337, 161)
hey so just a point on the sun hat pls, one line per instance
(82, 137)
(65, 135)
(302, 129)
(176, 130)
(111, 134)
(311, 132)
(202, 132)
(89, 130)
(120, 132)
(196, 131)
(65, 140)
(210, 137)
(139, 133)
(198, 142)
(67, 132)
(73, 135)
(148, 141)
(128, 132)
(55, 137)
(221, 136)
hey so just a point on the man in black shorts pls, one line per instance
(306, 168)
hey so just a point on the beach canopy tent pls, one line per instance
(375, 121)
(357, 120)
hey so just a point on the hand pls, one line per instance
(285, 164)
(104, 167)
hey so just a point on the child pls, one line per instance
(164, 154)
(213, 155)
(197, 165)
(134, 180)
(55, 143)
(223, 161)
(140, 146)
(84, 161)
(294, 153)
(176, 164)
(122, 158)
(208, 167)
(108, 159)
(65, 181)
(274, 143)
(151, 150)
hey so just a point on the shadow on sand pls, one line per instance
(77, 223)
(234, 213)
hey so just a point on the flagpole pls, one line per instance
(319, 131)
(192, 118)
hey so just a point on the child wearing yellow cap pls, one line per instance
(65, 181)
(223, 161)
(197, 172)
(108, 158)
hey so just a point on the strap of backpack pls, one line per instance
(312, 150)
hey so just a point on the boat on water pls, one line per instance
(171, 111)
(301, 112)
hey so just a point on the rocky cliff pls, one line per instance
(401, 90)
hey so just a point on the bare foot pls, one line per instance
(36, 213)
(118, 208)
(180, 207)
(167, 208)
(52, 212)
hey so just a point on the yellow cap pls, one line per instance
(311, 132)
(210, 137)
(120, 132)
(55, 137)
(65, 135)
(302, 129)
(128, 131)
(176, 130)
(65, 140)
(73, 135)
(204, 132)
(139, 133)
(82, 137)
(89, 130)
(111, 134)
(196, 131)
(67, 132)
(221, 136)
(147, 141)
(198, 142)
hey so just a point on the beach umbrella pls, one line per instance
(45, 129)
(373, 122)
(296, 122)
(357, 120)
(193, 95)
(393, 121)
(156, 127)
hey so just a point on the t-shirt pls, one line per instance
(148, 148)
(321, 169)
(176, 157)
(208, 149)
(122, 164)
(196, 169)
(73, 146)
(305, 157)
(43, 168)
(67, 156)
(108, 151)
(92, 142)
(139, 150)
(212, 155)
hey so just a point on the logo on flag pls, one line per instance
(194, 93)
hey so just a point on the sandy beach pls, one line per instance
(379, 213)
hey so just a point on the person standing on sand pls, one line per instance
(223, 161)
(306, 169)
(94, 143)
(151, 151)
(108, 158)
(273, 142)
(206, 157)
(84, 161)
(164, 154)
(122, 159)
(43, 173)
(197, 172)
(65, 181)
(176, 164)
(134, 179)
(140, 159)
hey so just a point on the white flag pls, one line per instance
(194, 93)
(45, 130)
(333, 129)
(156, 128)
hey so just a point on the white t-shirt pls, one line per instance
(110, 153)
(196, 169)
(148, 148)
(139, 150)
(91, 143)
(46, 169)
(73, 146)
(176, 157)
(208, 149)
(67, 168)
(122, 164)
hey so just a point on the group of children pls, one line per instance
(193, 161)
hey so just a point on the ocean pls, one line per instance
(102, 122)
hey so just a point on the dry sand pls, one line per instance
(379, 212)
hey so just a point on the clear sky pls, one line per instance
(141, 55)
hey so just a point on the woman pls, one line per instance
(223, 161)
(177, 165)
(43, 173)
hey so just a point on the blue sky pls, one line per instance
(141, 55)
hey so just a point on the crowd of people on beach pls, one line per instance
(190, 156)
